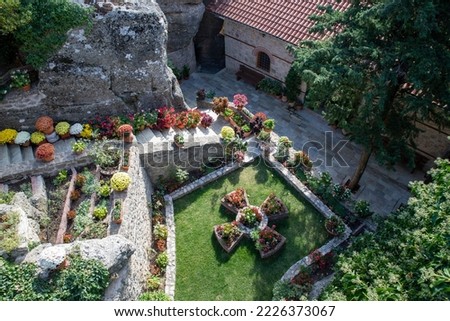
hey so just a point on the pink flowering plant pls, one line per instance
(240, 100)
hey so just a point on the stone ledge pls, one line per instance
(171, 248)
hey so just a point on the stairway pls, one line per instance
(155, 140)
(16, 156)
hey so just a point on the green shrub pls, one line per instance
(83, 280)
(6, 198)
(153, 283)
(181, 175)
(160, 231)
(162, 260)
(284, 290)
(100, 212)
(103, 189)
(271, 86)
(154, 296)
(61, 177)
(362, 209)
(47, 30)
(9, 240)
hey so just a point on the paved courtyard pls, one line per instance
(385, 189)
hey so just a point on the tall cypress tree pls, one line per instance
(386, 66)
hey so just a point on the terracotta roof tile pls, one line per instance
(288, 19)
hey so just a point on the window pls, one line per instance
(263, 61)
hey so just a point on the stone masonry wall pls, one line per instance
(136, 227)
(241, 46)
(160, 162)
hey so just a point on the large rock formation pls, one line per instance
(119, 66)
(23, 229)
(184, 18)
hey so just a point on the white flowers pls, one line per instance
(76, 129)
(22, 138)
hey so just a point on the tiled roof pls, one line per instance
(286, 19)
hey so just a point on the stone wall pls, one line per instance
(160, 160)
(183, 18)
(242, 44)
(136, 227)
(119, 66)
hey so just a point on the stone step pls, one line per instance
(63, 146)
(27, 154)
(169, 134)
(4, 155)
(145, 136)
(15, 154)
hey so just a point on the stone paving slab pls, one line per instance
(308, 129)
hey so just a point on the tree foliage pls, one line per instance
(409, 256)
(39, 28)
(386, 66)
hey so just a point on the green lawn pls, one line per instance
(206, 272)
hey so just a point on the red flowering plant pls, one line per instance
(240, 100)
(266, 239)
(194, 118)
(106, 127)
(206, 121)
(237, 198)
(166, 117)
(181, 119)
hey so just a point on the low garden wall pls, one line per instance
(136, 227)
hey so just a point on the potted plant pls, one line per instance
(38, 138)
(362, 209)
(117, 212)
(228, 113)
(239, 156)
(166, 118)
(62, 129)
(274, 208)
(247, 130)
(251, 218)
(303, 159)
(120, 181)
(206, 121)
(44, 124)
(100, 212)
(235, 200)
(23, 139)
(228, 235)
(201, 94)
(7, 136)
(227, 133)
(240, 101)
(126, 131)
(179, 140)
(269, 125)
(264, 136)
(45, 152)
(181, 120)
(20, 79)
(194, 118)
(87, 131)
(334, 226)
(125, 162)
(79, 146)
(151, 118)
(260, 115)
(76, 129)
(268, 241)
(67, 238)
(219, 105)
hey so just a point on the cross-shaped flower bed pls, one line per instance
(251, 221)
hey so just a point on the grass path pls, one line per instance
(206, 272)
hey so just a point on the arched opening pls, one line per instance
(263, 61)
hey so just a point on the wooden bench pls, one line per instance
(249, 75)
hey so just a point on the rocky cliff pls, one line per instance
(119, 66)
(183, 18)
